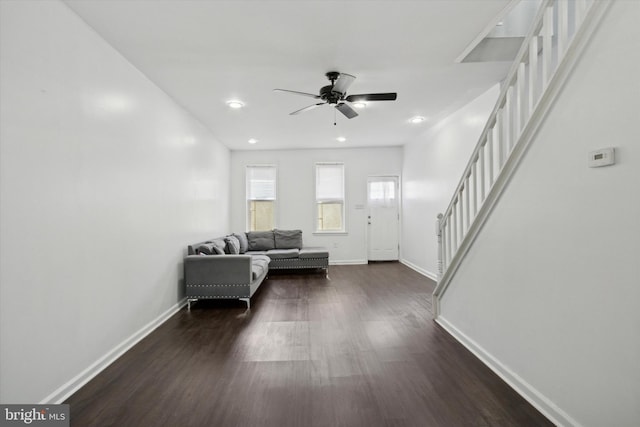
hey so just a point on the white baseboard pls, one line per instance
(420, 270)
(348, 262)
(67, 389)
(524, 389)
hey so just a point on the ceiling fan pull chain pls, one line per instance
(334, 116)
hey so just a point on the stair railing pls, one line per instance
(558, 32)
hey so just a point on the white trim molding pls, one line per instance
(348, 262)
(75, 383)
(523, 388)
(420, 270)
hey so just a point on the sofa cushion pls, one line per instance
(288, 239)
(260, 240)
(258, 256)
(232, 245)
(244, 243)
(314, 253)
(209, 249)
(256, 271)
(282, 253)
(260, 260)
(259, 264)
(256, 253)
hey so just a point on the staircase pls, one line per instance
(558, 34)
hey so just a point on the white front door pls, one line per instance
(383, 218)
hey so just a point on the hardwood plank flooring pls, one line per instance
(360, 349)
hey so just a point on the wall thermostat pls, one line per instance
(602, 157)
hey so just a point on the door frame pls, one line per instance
(399, 182)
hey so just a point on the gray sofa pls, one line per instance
(234, 266)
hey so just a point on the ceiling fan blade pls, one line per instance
(298, 93)
(310, 107)
(349, 112)
(372, 97)
(343, 82)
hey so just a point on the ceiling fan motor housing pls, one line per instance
(327, 94)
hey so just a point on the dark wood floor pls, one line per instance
(360, 349)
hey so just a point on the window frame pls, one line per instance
(318, 201)
(248, 200)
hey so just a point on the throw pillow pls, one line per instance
(220, 244)
(233, 245)
(288, 239)
(260, 240)
(206, 249)
(244, 243)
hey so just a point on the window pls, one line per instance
(382, 192)
(330, 197)
(261, 197)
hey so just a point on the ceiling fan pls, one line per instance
(336, 94)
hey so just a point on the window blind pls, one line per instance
(261, 182)
(329, 181)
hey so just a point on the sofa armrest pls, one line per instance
(217, 269)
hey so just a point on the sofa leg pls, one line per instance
(189, 301)
(247, 300)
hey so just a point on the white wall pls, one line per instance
(296, 192)
(104, 181)
(549, 291)
(432, 168)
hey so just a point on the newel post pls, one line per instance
(440, 250)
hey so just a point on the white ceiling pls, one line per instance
(205, 52)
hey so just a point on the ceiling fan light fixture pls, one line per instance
(335, 95)
(235, 104)
(417, 119)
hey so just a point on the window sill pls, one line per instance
(330, 233)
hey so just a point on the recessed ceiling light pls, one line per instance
(341, 139)
(252, 141)
(500, 24)
(235, 104)
(360, 104)
(417, 119)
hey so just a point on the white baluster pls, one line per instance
(449, 253)
(454, 223)
(521, 114)
(533, 73)
(499, 139)
(467, 205)
(563, 26)
(461, 219)
(508, 124)
(490, 155)
(440, 248)
(482, 174)
(474, 192)
(547, 50)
